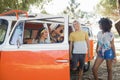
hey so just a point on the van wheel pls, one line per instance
(86, 66)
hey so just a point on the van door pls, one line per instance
(35, 61)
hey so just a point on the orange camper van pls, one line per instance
(22, 59)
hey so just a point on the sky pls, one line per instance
(57, 6)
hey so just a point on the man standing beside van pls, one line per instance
(79, 46)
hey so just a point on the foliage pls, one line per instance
(107, 8)
(19, 4)
(73, 9)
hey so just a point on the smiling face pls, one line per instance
(44, 34)
(59, 30)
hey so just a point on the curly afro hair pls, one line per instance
(106, 24)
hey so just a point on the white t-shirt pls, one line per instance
(80, 47)
(104, 40)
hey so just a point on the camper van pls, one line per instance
(23, 57)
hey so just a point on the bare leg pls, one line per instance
(96, 65)
(80, 74)
(109, 69)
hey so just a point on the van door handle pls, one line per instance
(62, 61)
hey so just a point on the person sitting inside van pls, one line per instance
(57, 35)
(42, 36)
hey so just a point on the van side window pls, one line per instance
(17, 34)
(27, 38)
(38, 33)
(3, 29)
(35, 33)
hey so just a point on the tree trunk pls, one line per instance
(118, 5)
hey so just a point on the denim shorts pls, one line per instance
(108, 54)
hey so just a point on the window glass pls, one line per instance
(45, 31)
(27, 33)
(3, 29)
(32, 32)
(17, 34)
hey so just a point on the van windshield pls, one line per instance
(3, 29)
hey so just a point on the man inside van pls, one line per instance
(79, 46)
(57, 35)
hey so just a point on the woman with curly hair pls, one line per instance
(105, 48)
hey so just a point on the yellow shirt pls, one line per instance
(79, 39)
(78, 36)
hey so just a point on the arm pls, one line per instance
(71, 47)
(113, 47)
(97, 48)
(87, 42)
(88, 46)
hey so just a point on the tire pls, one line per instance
(87, 66)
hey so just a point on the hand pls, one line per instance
(97, 50)
(70, 56)
(114, 60)
(88, 55)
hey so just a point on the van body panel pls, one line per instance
(35, 65)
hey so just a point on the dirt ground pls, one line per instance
(102, 72)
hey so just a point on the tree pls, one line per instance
(19, 4)
(118, 5)
(108, 8)
(73, 9)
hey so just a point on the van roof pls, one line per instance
(13, 18)
(15, 15)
